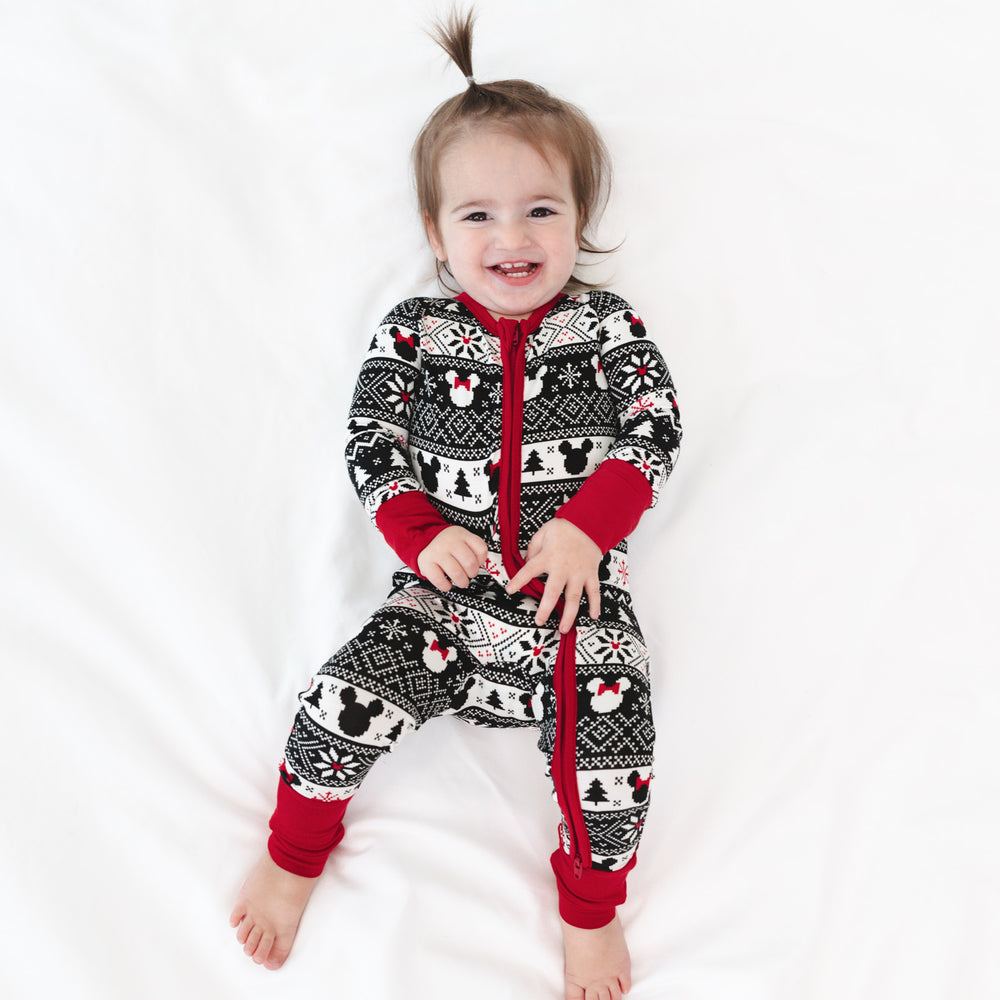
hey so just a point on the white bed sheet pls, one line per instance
(205, 208)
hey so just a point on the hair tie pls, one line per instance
(471, 79)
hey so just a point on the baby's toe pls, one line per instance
(279, 952)
(252, 940)
(263, 949)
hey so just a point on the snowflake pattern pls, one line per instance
(332, 764)
(569, 377)
(461, 620)
(630, 829)
(398, 392)
(641, 372)
(461, 342)
(612, 647)
(535, 647)
(394, 630)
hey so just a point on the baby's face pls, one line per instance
(507, 224)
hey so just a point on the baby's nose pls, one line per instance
(512, 235)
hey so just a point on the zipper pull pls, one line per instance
(577, 867)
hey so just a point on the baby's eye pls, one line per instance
(476, 217)
(540, 213)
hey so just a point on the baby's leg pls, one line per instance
(267, 913)
(605, 805)
(357, 707)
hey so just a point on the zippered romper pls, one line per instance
(498, 426)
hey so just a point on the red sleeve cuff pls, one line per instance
(408, 522)
(609, 503)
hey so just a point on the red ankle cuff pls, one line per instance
(590, 900)
(304, 831)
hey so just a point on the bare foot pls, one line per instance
(598, 966)
(268, 911)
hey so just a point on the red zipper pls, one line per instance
(564, 764)
(512, 348)
(564, 679)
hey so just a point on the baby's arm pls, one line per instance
(378, 432)
(607, 506)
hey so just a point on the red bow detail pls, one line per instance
(435, 648)
(613, 688)
(639, 783)
(463, 382)
(401, 338)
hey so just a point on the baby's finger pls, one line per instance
(480, 549)
(571, 606)
(548, 602)
(534, 545)
(435, 576)
(455, 572)
(593, 588)
(521, 577)
(469, 560)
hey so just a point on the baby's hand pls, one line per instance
(571, 559)
(452, 558)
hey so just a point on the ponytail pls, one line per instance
(454, 35)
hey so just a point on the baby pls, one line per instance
(505, 442)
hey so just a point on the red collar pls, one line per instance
(528, 326)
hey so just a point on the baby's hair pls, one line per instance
(524, 110)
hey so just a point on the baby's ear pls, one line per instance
(434, 239)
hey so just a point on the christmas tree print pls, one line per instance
(595, 793)
(494, 699)
(462, 484)
(534, 462)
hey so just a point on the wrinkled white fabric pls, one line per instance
(204, 211)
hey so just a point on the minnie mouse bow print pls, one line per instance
(607, 697)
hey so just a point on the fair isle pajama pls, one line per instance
(498, 426)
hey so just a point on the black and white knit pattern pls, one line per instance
(426, 412)
(426, 415)
(424, 654)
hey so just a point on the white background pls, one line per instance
(205, 208)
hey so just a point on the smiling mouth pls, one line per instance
(517, 269)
